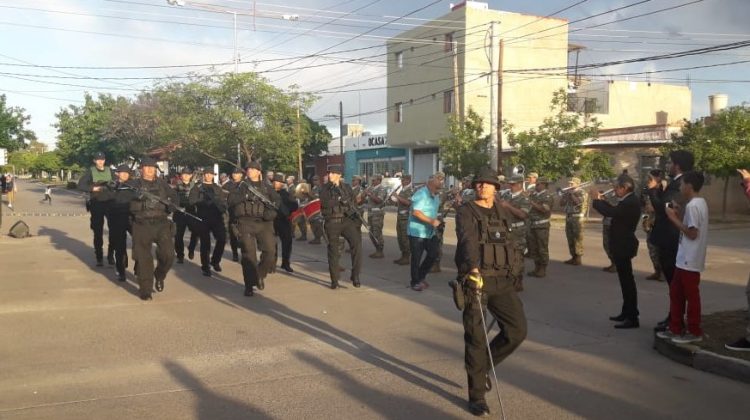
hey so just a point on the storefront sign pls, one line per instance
(367, 142)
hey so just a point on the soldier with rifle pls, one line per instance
(119, 218)
(182, 221)
(96, 181)
(210, 203)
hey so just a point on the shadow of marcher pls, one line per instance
(387, 405)
(227, 292)
(212, 406)
(60, 240)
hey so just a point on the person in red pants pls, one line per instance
(684, 291)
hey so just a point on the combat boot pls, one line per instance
(377, 254)
(576, 260)
(404, 260)
(435, 268)
(533, 272)
(541, 271)
(610, 269)
(315, 241)
(334, 284)
(570, 261)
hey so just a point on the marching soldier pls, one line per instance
(541, 202)
(182, 221)
(210, 204)
(484, 258)
(339, 209)
(403, 203)
(611, 199)
(519, 208)
(151, 225)
(281, 224)
(531, 180)
(234, 182)
(252, 205)
(119, 219)
(376, 196)
(316, 222)
(96, 181)
(573, 202)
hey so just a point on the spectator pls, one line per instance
(690, 261)
(743, 344)
(423, 221)
(47, 195)
(3, 183)
(11, 188)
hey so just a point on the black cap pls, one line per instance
(487, 175)
(237, 170)
(123, 168)
(253, 165)
(336, 169)
(278, 177)
(186, 171)
(99, 155)
(148, 161)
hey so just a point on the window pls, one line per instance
(448, 101)
(399, 112)
(448, 43)
(400, 59)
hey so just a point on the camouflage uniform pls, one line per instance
(375, 218)
(539, 225)
(574, 204)
(402, 224)
(520, 201)
(653, 250)
(316, 222)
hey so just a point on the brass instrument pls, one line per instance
(504, 194)
(562, 191)
(519, 169)
(609, 193)
(301, 190)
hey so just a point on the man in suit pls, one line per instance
(664, 234)
(623, 244)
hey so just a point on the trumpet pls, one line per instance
(504, 194)
(561, 191)
(609, 193)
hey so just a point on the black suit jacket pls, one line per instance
(625, 216)
(664, 234)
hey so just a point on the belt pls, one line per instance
(517, 224)
(375, 210)
(335, 220)
(402, 212)
(151, 220)
(250, 219)
(574, 215)
(540, 222)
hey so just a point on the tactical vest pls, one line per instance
(339, 194)
(183, 191)
(252, 206)
(496, 247)
(146, 208)
(100, 177)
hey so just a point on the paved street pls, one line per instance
(74, 343)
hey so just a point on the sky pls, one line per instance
(273, 35)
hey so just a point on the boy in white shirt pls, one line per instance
(691, 260)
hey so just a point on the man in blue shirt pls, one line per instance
(423, 221)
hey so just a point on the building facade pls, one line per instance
(368, 155)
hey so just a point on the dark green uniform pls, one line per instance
(152, 226)
(119, 224)
(316, 222)
(98, 205)
(518, 229)
(402, 224)
(337, 205)
(376, 218)
(574, 205)
(539, 225)
(183, 222)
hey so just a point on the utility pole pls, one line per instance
(456, 96)
(501, 48)
(299, 148)
(341, 130)
(493, 103)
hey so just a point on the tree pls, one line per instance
(315, 137)
(720, 144)
(595, 165)
(554, 148)
(81, 131)
(466, 150)
(49, 162)
(13, 131)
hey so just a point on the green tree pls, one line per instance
(720, 144)
(49, 162)
(595, 165)
(13, 131)
(466, 150)
(554, 148)
(22, 160)
(81, 130)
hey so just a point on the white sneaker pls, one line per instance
(666, 335)
(687, 338)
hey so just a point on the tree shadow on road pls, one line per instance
(61, 241)
(212, 406)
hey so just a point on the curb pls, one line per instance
(707, 361)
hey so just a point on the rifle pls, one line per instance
(213, 199)
(153, 197)
(351, 211)
(263, 199)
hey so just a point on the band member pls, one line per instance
(96, 181)
(339, 209)
(518, 206)
(119, 218)
(316, 222)
(423, 223)
(234, 182)
(252, 204)
(648, 224)
(623, 244)
(402, 198)
(376, 200)
(182, 221)
(210, 203)
(531, 179)
(151, 226)
(573, 202)
(281, 224)
(541, 202)
(484, 258)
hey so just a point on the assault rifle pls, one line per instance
(259, 195)
(153, 197)
(351, 211)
